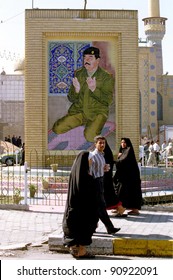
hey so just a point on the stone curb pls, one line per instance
(143, 247)
(14, 207)
(20, 246)
(120, 246)
(99, 246)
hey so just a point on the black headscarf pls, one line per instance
(80, 217)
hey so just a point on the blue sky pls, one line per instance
(12, 24)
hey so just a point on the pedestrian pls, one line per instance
(163, 146)
(14, 140)
(80, 216)
(169, 149)
(9, 139)
(111, 198)
(23, 154)
(91, 95)
(168, 153)
(156, 147)
(146, 151)
(98, 167)
(163, 151)
(141, 154)
(19, 142)
(152, 158)
(127, 178)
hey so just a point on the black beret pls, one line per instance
(93, 51)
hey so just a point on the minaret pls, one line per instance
(155, 30)
(153, 8)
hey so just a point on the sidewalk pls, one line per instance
(149, 234)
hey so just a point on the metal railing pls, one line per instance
(51, 184)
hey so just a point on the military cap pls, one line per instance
(93, 51)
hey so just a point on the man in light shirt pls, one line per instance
(157, 151)
(97, 168)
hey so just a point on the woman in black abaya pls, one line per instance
(80, 217)
(127, 178)
(111, 198)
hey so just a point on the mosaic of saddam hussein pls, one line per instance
(90, 96)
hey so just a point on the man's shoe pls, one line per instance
(113, 230)
(135, 213)
(118, 215)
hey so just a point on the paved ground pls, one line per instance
(150, 233)
(43, 253)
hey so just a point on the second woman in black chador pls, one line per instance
(127, 178)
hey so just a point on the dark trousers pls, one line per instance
(157, 157)
(101, 204)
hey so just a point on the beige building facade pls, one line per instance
(156, 94)
(43, 26)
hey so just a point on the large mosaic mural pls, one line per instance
(65, 61)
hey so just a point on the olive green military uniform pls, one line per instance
(88, 108)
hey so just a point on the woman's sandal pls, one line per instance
(74, 251)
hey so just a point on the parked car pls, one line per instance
(10, 158)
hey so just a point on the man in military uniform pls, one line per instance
(91, 94)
